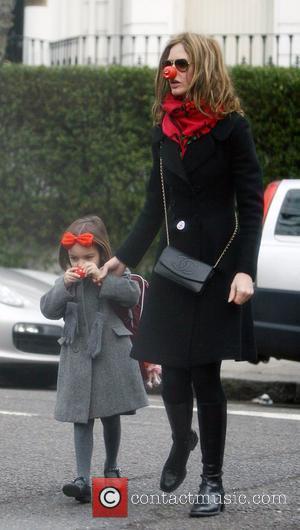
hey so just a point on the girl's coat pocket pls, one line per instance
(71, 322)
(121, 331)
(95, 338)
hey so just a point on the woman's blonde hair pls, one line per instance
(94, 225)
(210, 84)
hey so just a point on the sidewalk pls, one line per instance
(278, 378)
(243, 381)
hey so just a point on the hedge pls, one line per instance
(76, 140)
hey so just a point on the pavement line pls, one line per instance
(11, 413)
(274, 415)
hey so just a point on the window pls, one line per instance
(288, 223)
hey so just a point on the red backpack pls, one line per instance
(131, 317)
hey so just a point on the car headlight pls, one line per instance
(9, 297)
(26, 328)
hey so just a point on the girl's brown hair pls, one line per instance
(94, 225)
(210, 83)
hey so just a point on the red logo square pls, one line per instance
(110, 497)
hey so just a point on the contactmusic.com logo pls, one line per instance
(110, 497)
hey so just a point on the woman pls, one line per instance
(210, 170)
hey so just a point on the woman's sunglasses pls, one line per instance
(180, 64)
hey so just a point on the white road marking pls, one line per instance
(275, 415)
(12, 413)
(256, 413)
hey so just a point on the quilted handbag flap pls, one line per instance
(179, 263)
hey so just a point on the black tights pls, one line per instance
(178, 384)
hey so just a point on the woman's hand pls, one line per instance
(114, 265)
(153, 374)
(71, 276)
(241, 288)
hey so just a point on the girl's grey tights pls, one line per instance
(83, 440)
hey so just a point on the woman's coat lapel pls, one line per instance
(198, 151)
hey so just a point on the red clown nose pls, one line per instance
(169, 72)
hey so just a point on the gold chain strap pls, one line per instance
(230, 240)
(166, 216)
(164, 199)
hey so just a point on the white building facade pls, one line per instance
(132, 32)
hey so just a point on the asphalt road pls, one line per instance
(37, 457)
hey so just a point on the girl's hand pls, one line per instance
(114, 265)
(92, 271)
(241, 288)
(153, 375)
(71, 276)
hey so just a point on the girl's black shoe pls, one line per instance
(112, 472)
(78, 489)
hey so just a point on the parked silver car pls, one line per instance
(26, 336)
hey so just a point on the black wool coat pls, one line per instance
(218, 174)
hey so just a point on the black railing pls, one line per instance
(253, 49)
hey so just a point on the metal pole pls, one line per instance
(291, 50)
(108, 40)
(42, 51)
(277, 49)
(121, 38)
(146, 48)
(264, 49)
(237, 40)
(83, 50)
(77, 51)
(224, 37)
(96, 49)
(133, 48)
(32, 51)
(158, 47)
(250, 49)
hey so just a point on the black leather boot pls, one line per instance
(184, 441)
(212, 425)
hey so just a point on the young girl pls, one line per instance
(96, 376)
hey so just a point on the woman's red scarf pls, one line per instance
(183, 121)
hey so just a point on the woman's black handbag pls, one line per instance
(180, 268)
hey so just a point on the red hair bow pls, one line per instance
(69, 239)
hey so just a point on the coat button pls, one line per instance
(180, 225)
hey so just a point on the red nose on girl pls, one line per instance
(169, 72)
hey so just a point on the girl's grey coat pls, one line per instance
(96, 376)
